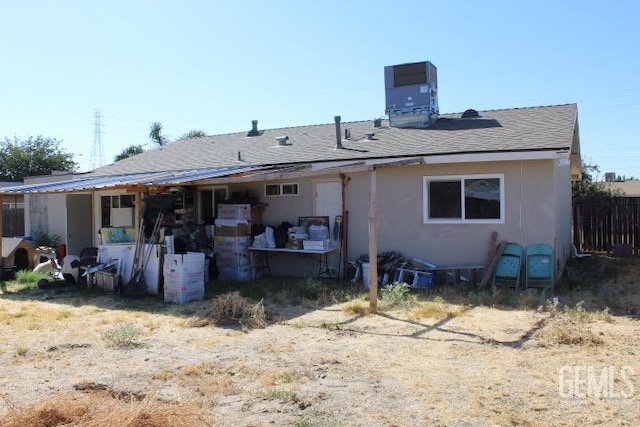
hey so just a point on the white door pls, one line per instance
(79, 212)
(328, 201)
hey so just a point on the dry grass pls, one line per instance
(232, 309)
(565, 330)
(437, 308)
(357, 308)
(102, 410)
(206, 379)
(304, 367)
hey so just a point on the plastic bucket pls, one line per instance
(366, 274)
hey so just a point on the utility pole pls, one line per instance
(97, 154)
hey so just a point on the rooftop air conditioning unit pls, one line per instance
(411, 92)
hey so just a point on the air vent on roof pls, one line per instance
(254, 129)
(282, 140)
(470, 113)
(377, 123)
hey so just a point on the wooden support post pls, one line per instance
(373, 245)
(138, 211)
(1, 230)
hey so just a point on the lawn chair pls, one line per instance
(539, 266)
(88, 259)
(507, 271)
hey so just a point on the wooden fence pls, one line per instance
(607, 224)
(12, 222)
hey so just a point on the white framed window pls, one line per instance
(272, 189)
(117, 210)
(477, 199)
(287, 189)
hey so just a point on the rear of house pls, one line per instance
(435, 186)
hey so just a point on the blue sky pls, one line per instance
(217, 65)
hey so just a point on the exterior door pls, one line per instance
(79, 214)
(328, 200)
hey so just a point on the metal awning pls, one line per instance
(89, 183)
(210, 176)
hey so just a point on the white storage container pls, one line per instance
(366, 274)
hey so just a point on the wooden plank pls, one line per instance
(488, 272)
(493, 244)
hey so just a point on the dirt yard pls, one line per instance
(450, 358)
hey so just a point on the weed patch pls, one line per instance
(233, 309)
(123, 335)
(397, 296)
(567, 331)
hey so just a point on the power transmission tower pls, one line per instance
(97, 154)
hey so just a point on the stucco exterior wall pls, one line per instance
(282, 208)
(530, 212)
(564, 213)
(46, 214)
(285, 208)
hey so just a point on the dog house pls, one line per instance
(17, 254)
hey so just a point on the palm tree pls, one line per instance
(155, 133)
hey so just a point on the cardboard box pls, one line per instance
(192, 262)
(235, 211)
(238, 230)
(231, 244)
(183, 279)
(182, 296)
(316, 245)
(293, 244)
(240, 274)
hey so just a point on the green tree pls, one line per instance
(193, 134)
(33, 156)
(588, 187)
(155, 133)
(128, 152)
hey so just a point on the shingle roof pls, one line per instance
(516, 129)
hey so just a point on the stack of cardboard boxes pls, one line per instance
(231, 243)
(184, 277)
